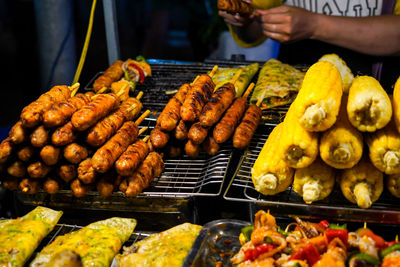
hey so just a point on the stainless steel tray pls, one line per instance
(241, 188)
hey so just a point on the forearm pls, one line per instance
(378, 35)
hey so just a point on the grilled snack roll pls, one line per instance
(226, 126)
(220, 100)
(18, 134)
(314, 182)
(26, 153)
(104, 158)
(368, 107)
(396, 104)
(181, 131)
(66, 258)
(151, 167)
(158, 138)
(105, 128)
(196, 98)
(192, 149)
(67, 172)
(64, 135)
(270, 173)
(38, 170)
(29, 186)
(89, 114)
(245, 131)
(345, 72)
(362, 184)
(341, 146)
(112, 74)
(32, 114)
(86, 172)
(131, 158)
(197, 133)
(40, 136)
(235, 6)
(384, 149)
(393, 184)
(75, 153)
(50, 155)
(80, 189)
(299, 146)
(61, 112)
(318, 100)
(6, 149)
(17, 169)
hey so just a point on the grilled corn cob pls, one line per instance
(384, 149)
(299, 146)
(368, 106)
(270, 173)
(362, 184)
(396, 104)
(393, 184)
(341, 146)
(314, 182)
(340, 64)
(318, 100)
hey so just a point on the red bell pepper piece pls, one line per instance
(253, 253)
(307, 252)
(379, 241)
(324, 223)
(139, 69)
(340, 233)
(389, 243)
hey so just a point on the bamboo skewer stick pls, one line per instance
(142, 117)
(248, 90)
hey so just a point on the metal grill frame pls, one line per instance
(335, 206)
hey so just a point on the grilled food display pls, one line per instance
(20, 237)
(96, 243)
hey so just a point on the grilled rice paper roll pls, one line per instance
(168, 248)
(20, 237)
(96, 244)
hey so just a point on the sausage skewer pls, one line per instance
(158, 137)
(10, 183)
(210, 146)
(245, 131)
(112, 74)
(181, 131)
(18, 134)
(29, 186)
(64, 135)
(197, 133)
(38, 170)
(86, 172)
(50, 154)
(79, 189)
(108, 184)
(226, 126)
(67, 172)
(75, 153)
(132, 157)
(192, 149)
(40, 136)
(17, 169)
(52, 185)
(26, 153)
(6, 149)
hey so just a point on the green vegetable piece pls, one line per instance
(140, 59)
(337, 226)
(246, 231)
(390, 249)
(296, 265)
(366, 257)
(268, 240)
(282, 232)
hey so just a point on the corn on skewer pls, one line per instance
(345, 72)
(396, 104)
(393, 184)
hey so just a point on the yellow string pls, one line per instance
(86, 44)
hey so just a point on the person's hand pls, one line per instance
(287, 23)
(235, 19)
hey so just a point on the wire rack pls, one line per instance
(335, 206)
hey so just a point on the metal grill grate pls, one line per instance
(241, 188)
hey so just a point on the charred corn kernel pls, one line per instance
(318, 100)
(314, 182)
(393, 184)
(384, 149)
(270, 173)
(299, 147)
(340, 64)
(341, 146)
(368, 107)
(362, 184)
(396, 103)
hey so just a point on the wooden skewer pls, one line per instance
(396, 238)
(261, 98)
(74, 88)
(139, 95)
(248, 90)
(142, 117)
(365, 225)
(142, 130)
(102, 90)
(146, 138)
(235, 78)
(213, 71)
(195, 79)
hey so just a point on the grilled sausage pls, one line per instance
(112, 74)
(192, 149)
(197, 133)
(67, 172)
(86, 172)
(61, 112)
(181, 131)
(29, 186)
(182, 92)
(38, 170)
(40, 136)
(89, 114)
(220, 100)
(210, 146)
(196, 98)
(80, 189)
(26, 153)
(245, 131)
(51, 185)
(64, 135)
(18, 134)
(50, 154)
(108, 183)
(104, 158)
(226, 126)
(131, 158)
(75, 153)
(32, 114)
(10, 183)
(151, 167)
(158, 138)
(6, 149)
(17, 169)
(173, 151)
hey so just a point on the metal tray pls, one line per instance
(335, 206)
(216, 243)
